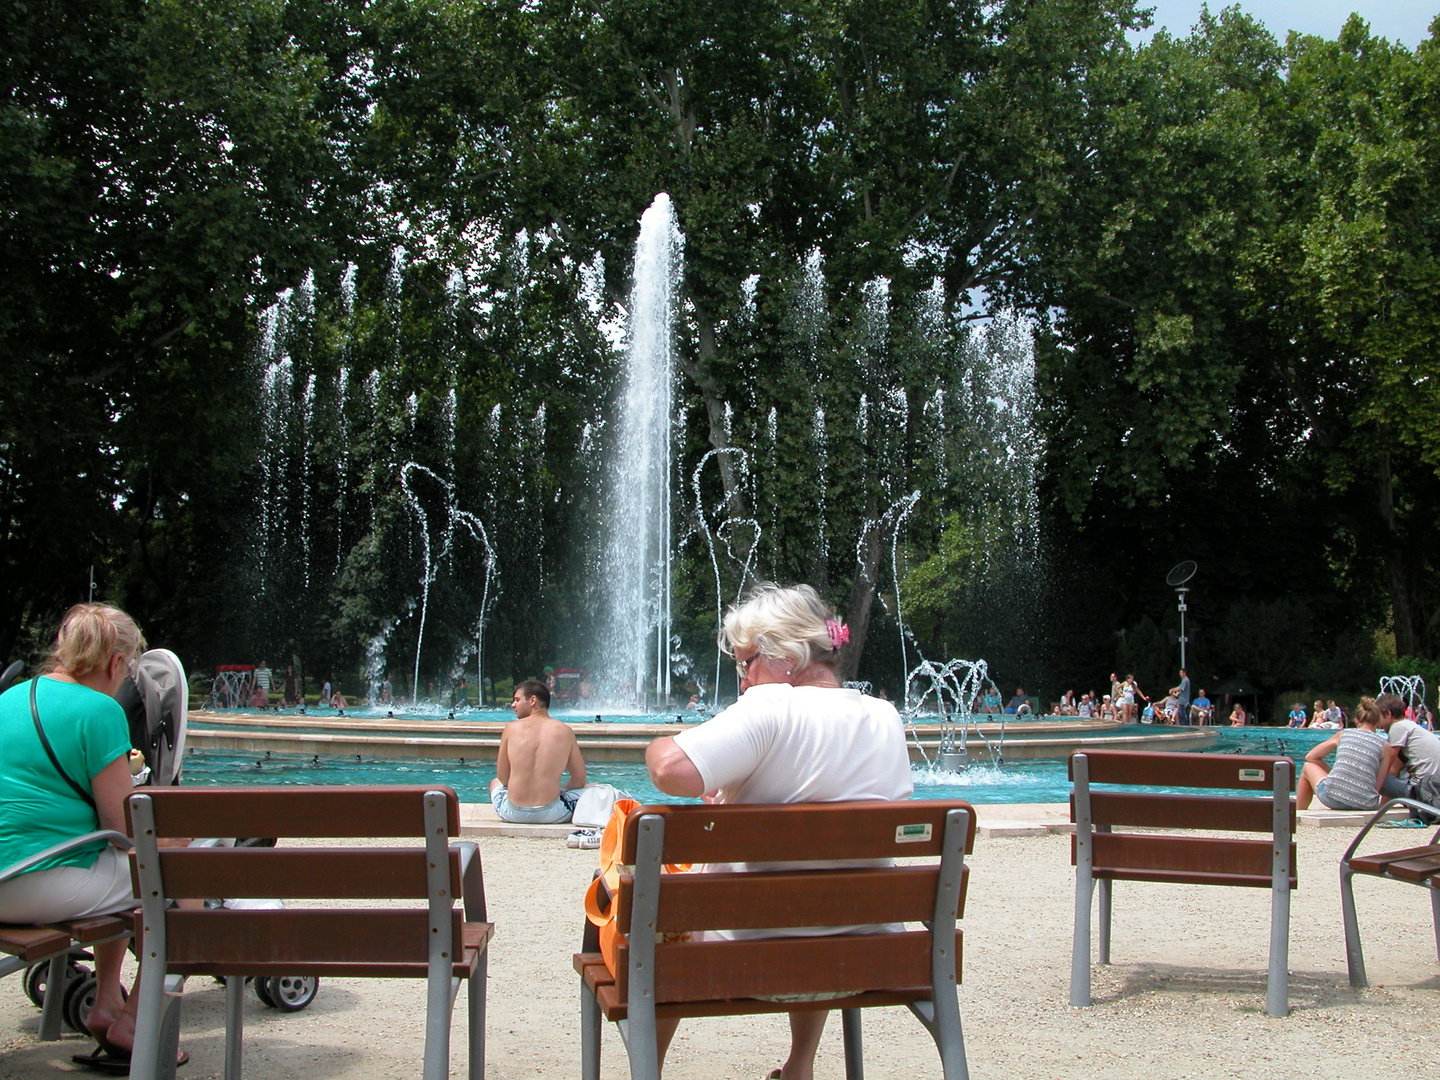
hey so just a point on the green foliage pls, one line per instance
(1230, 245)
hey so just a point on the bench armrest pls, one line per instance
(1379, 814)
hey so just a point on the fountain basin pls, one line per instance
(479, 740)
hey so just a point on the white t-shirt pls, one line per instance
(788, 744)
(784, 744)
(1421, 749)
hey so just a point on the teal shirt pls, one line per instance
(87, 731)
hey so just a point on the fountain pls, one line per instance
(637, 611)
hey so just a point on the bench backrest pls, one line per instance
(795, 895)
(310, 938)
(1265, 806)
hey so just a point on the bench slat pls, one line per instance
(312, 811)
(95, 928)
(613, 1006)
(1417, 871)
(31, 943)
(754, 901)
(1222, 812)
(814, 832)
(292, 873)
(298, 936)
(1244, 772)
(1379, 862)
(477, 936)
(1137, 854)
(722, 970)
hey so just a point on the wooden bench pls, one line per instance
(1415, 865)
(669, 979)
(1101, 855)
(51, 942)
(433, 942)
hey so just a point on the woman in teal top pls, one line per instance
(86, 728)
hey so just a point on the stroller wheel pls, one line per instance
(262, 991)
(37, 975)
(293, 992)
(80, 996)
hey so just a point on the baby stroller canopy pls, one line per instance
(155, 699)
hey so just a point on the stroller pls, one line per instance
(155, 702)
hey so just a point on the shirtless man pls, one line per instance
(534, 751)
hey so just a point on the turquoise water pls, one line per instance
(1021, 782)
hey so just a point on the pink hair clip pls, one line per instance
(839, 632)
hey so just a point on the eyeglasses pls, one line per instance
(742, 666)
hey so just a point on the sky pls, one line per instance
(1405, 21)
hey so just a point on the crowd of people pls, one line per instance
(1129, 704)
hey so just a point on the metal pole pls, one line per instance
(1181, 594)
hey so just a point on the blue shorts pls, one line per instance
(552, 813)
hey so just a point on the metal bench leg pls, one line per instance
(168, 1041)
(1277, 987)
(854, 1045)
(53, 1011)
(589, 1034)
(1435, 911)
(1354, 955)
(234, 1024)
(1080, 946)
(1105, 887)
(476, 991)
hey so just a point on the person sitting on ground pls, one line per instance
(1169, 708)
(1417, 751)
(991, 701)
(1297, 716)
(1334, 715)
(1086, 708)
(1238, 716)
(1201, 710)
(337, 699)
(1362, 765)
(1019, 704)
(1107, 709)
(795, 735)
(536, 750)
(81, 788)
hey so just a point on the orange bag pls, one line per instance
(600, 912)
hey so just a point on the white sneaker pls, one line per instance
(583, 838)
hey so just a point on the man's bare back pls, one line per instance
(535, 750)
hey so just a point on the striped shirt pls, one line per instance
(1351, 783)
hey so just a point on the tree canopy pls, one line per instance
(311, 312)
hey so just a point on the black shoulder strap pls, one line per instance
(35, 714)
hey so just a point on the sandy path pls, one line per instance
(1184, 999)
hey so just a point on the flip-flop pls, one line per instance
(114, 1061)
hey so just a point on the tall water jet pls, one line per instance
(636, 594)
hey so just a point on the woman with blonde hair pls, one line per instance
(66, 772)
(1362, 762)
(795, 735)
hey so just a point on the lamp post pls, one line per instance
(1178, 579)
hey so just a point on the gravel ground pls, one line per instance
(1184, 998)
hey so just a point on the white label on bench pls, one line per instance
(912, 834)
(1256, 776)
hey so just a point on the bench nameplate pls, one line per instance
(1253, 776)
(912, 834)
